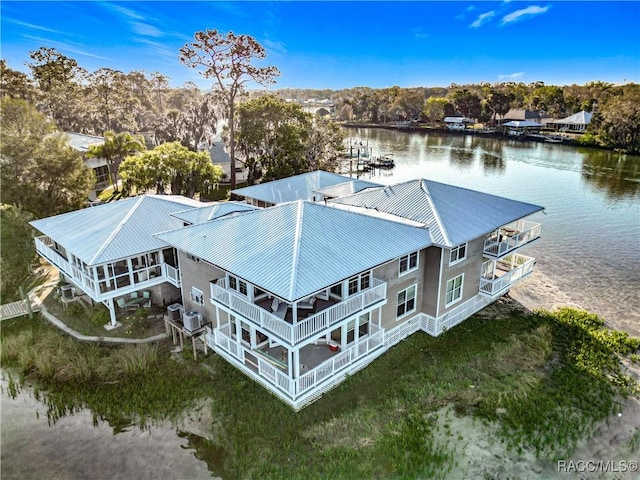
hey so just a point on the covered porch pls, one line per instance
(510, 237)
(295, 322)
(296, 374)
(497, 276)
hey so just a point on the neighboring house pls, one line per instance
(457, 123)
(519, 114)
(312, 289)
(100, 167)
(578, 122)
(108, 252)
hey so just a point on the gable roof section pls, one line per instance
(346, 188)
(82, 141)
(212, 211)
(115, 230)
(454, 215)
(298, 187)
(581, 118)
(296, 249)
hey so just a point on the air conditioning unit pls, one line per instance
(174, 312)
(67, 291)
(191, 320)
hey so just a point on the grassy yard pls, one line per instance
(542, 380)
(90, 320)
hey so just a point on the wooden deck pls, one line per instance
(16, 309)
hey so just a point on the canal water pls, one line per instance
(590, 245)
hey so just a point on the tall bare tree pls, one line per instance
(227, 59)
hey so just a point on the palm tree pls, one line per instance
(116, 147)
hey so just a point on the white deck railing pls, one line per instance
(220, 338)
(510, 237)
(44, 246)
(172, 274)
(304, 329)
(142, 277)
(493, 285)
(347, 357)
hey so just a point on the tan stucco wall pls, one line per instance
(471, 268)
(199, 275)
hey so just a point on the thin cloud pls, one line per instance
(64, 48)
(275, 46)
(483, 18)
(462, 16)
(524, 12)
(146, 29)
(31, 26)
(511, 77)
(126, 12)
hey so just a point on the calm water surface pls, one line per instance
(590, 245)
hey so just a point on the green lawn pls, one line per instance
(543, 379)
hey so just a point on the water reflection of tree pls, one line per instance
(492, 162)
(617, 174)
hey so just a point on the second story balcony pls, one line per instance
(109, 280)
(511, 237)
(295, 327)
(498, 276)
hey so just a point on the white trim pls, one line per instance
(197, 296)
(415, 301)
(409, 268)
(459, 297)
(457, 248)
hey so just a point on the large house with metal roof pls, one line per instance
(313, 288)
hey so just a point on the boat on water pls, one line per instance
(385, 161)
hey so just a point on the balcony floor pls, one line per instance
(302, 313)
(310, 356)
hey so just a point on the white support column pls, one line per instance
(343, 336)
(290, 362)
(217, 317)
(112, 312)
(132, 281)
(296, 363)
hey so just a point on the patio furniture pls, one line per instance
(279, 309)
(307, 304)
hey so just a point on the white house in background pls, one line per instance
(457, 123)
(314, 288)
(578, 122)
(100, 167)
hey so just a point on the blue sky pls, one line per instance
(346, 44)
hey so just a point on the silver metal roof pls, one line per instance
(347, 188)
(212, 211)
(454, 215)
(115, 230)
(81, 141)
(299, 187)
(296, 249)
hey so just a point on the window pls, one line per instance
(454, 290)
(458, 254)
(359, 283)
(238, 285)
(408, 263)
(406, 301)
(365, 281)
(197, 296)
(353, 285)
